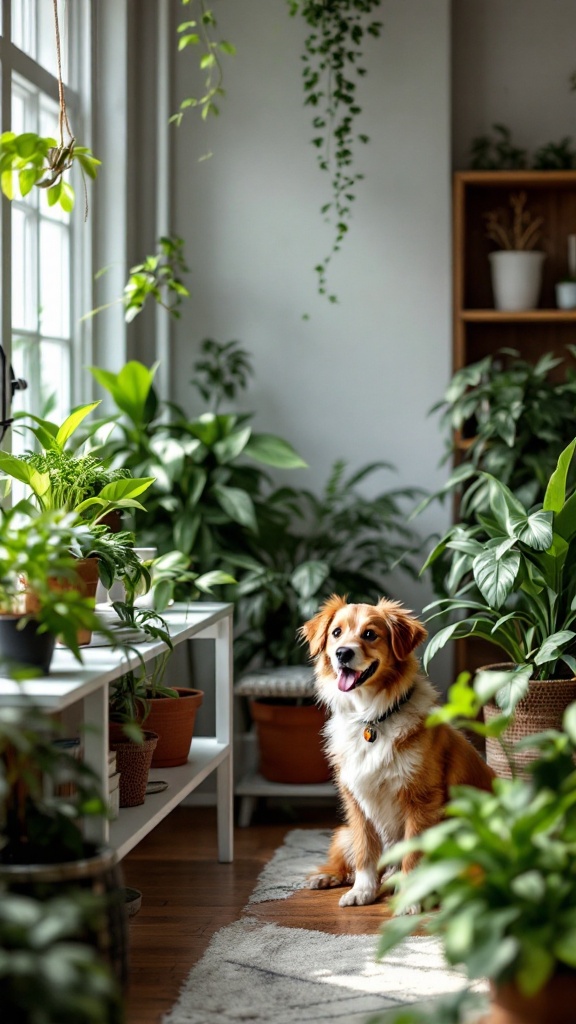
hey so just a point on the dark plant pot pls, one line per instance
(99, 874)
(553, 1004)
(289, 741)
(133, 761)
(542, 708)
(25, 647)
(173, 719)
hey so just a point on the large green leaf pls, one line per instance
(237, 504)
(129, 388)
(534, 530)
(555, 495)
(274, 451)
(73, 421)
(495, 572)
(552, 647)
(514, 689)
(229, 448)
(127, 487)
(309, 577)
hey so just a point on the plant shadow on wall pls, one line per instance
(214, 501)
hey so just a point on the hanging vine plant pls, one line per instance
(41, 160)
(332, 65)
(199, 33)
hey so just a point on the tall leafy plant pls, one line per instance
(513, 576)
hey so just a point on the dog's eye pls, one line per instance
(369, 634)
(336, 632)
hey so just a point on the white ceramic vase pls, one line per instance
(516, 278)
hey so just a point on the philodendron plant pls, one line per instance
(513, 575)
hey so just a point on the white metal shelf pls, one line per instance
(70, 683)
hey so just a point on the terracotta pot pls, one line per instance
(86, 585)
(553, 1004)
(289, 741)
(542, 708)
(133, 761)
(25, 646)
(173, 719)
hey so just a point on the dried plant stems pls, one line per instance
(519, 232)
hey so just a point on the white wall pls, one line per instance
(512, 62)
(357, 379)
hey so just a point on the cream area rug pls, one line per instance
(259, 973)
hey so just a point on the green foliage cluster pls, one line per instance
(497, 152)
(332, 64)
(37, 160)
(512, 574)
(515, 418)
(215, 503)
(499, 872)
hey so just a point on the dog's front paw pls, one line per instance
(324, 881)
(414, 908)
(358, 896)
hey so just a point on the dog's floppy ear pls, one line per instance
(406, 631)
(315, 631)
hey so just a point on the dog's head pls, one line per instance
(362, 644)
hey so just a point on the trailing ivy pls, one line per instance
(198, 32)
(332, 64)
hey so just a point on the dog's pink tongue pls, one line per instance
(347, 679)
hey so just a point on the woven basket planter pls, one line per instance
(133, 761)
(542, 708)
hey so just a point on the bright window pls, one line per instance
(48, 247)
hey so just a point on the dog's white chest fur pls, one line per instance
(373, 773)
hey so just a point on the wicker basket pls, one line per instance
(542, 708)
(133, 761)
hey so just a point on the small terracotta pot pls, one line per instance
(86, 585)
(173, 719)
(553, 1004)
(289, 741)
(133, 761)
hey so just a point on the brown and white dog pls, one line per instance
(393, 773)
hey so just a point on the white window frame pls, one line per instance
(78, 99)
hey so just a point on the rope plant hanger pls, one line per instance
(31, 159)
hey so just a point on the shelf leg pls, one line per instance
(95, 739)
(225, 771)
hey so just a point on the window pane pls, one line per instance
(33, 32)
(55, 380)
(25, 311)
(54, 279)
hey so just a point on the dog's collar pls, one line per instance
(370, 728)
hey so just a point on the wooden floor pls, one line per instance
(188, 895)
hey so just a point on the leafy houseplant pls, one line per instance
(310, 546)
(207, 492)
(59, 935)
(512, 575)
(38, 558)
(497, 882)
(509, 418)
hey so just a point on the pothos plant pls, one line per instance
(199, 32)
(157, 277)
(42, 161)
(332, 65)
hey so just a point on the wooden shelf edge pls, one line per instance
(530, 316)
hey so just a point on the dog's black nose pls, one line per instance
(344, 655)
